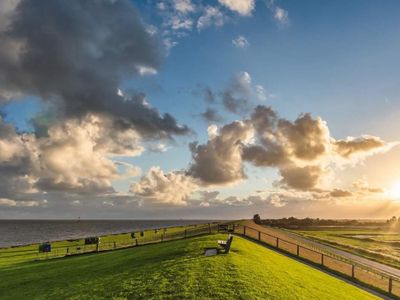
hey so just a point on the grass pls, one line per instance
(15, 255)
(174, 270)
(376, 244)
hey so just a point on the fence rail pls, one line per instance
(349, 269)
(163, 235)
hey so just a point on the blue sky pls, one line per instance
(337, 60)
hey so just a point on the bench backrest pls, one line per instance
(228, 243)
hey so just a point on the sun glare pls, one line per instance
(394, 191)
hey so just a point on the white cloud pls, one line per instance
(242, 7)
(75, 156)
(212, 131)
(276, 201)
(178, 23)
(7, 8)
(240, 42)
(242, 82)
(145, 70)
(204, 204)
(151, 29)
(219, 161)
(164, 188)
(261, 93)
(159, 148)
(20, 203)
(161, 6)
(280, 15)
(184, 6)
(169, 44)
(108, 203)
(212, 16)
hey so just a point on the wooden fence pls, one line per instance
(355, 271)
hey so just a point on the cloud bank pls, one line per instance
(75, 54)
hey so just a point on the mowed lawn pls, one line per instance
(175, 270)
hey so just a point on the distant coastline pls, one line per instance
(25, 232)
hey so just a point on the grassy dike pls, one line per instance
(174, 270)
(15, 255)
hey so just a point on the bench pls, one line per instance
(225, 246)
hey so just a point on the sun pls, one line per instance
(394, 191)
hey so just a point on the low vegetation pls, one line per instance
(376, 244)
(174, 270)
(309, 223)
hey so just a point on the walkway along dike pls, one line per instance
(361, 274)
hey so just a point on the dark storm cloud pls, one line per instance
(264, 118)
(209, 96)
(211, 115)
(75, 55)
(338, 193)
(233, 104)
(205, 93)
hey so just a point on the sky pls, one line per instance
(208, 109)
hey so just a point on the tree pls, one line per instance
(257, 219)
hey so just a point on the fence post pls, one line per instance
(115, 245)
(352, 271)
(97, 247)
(322, 259)
(185, 233)
(277, 242)
(390, 285)
(298, 250)
(244, 230)
(67, 250)
(259, 235)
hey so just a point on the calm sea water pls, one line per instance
(25, 232)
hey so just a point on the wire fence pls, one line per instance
(78, 247)
(339, 265)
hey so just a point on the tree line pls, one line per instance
(293, 222)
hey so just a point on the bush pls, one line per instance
(257, 219)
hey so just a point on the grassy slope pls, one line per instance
(14, 255)
(175, 270)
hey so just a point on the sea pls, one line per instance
(26, 232)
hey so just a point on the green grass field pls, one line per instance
(15, 255)
(174, 270)
(376, 244)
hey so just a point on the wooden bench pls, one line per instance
(225, 246)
